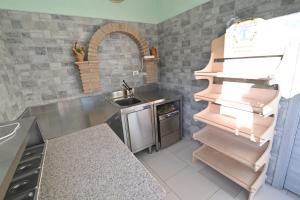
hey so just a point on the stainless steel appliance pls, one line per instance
(169, 123)
(138, 125)
(25, 181)
(115, 123)
(23, 187)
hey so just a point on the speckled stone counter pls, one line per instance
(94, 164)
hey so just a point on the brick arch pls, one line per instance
(103, 31)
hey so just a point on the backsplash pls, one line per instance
(11, 101)
(41, 66)
(184, 46)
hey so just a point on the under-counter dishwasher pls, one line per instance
(169, 123)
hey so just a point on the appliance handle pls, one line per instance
(168, 115)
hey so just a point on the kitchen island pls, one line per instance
(94, 164)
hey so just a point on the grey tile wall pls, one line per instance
(184, 46)
(11, 101)
(41, 66)
(37, 66)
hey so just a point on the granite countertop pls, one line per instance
(11, 151)
(94, 164)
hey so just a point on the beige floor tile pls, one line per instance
(172, 196)
(221, 195)
(293, 195)
(143, 155)
(165, 164)
(265, 193)
(243, 195)
(181, 145)
(221, 181)
(187, 156)
(191, 185)
(161, 182)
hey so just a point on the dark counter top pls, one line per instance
(158, 95)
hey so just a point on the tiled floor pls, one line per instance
(185, 180)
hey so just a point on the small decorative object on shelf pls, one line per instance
(78, 52)
(153, 52)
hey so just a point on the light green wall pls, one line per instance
(148, 11)
(171, 8)
(129, 10)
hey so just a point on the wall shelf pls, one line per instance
(243, 151)
(248, 125)
(200, 74)
(232, 169)
(239, 95)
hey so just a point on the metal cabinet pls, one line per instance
(138, 126)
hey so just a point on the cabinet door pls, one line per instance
(140, 129)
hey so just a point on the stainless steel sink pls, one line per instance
(126, 101)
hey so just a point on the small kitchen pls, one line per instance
(192, 103)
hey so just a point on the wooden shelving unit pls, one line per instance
(249, 125)
(258, 100)
(199, 75)
(237, 148)
(230, 168)
(242, 112)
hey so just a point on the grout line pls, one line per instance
(189, 164)
(176, 173)
(169, 188)
(214, 193)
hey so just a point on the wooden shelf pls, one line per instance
(200, 75)
(155, 59)
(241, 96)
(232, 169)
(237, 148)
(234, 64)
(257, 128)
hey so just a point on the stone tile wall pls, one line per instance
(39, 46)
(184, 46)
(11, 101)
(37, 66)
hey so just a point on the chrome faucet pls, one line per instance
(127, 91)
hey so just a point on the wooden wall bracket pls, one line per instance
(89, 74)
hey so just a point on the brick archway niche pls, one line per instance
(89, 70)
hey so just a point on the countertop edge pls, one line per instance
(12, 168)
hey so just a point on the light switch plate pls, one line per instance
(135, 73)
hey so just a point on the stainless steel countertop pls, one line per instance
(11, 151)
(65, 117)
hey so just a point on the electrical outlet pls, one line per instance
(135, 73)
